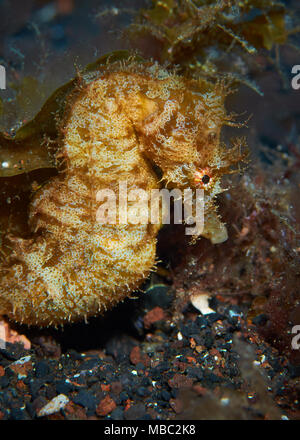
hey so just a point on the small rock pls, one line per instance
(117, 414)
(106, 406)
(135, 412)
(201, 302)
(85, 399)
(116, 387)
(180, 381)
(136, 357)
(22, 367)
(154, 315)
(64, 387)
(4, 382)
(41, 369)
(143, 392)
(55, 405)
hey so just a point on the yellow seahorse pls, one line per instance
(121, 122)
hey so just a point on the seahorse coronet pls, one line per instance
(121, 122)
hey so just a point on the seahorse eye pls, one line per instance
(205, 179)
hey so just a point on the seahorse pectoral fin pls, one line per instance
(214, 229)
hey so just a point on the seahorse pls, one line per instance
(126, 121)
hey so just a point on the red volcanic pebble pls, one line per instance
(106, 406)
(180, 381)
(21, 368)
(21, 385)
(105, 387)
(75, 412)
(137, 357)
(154, 315)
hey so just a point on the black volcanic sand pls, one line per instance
(132, 364)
